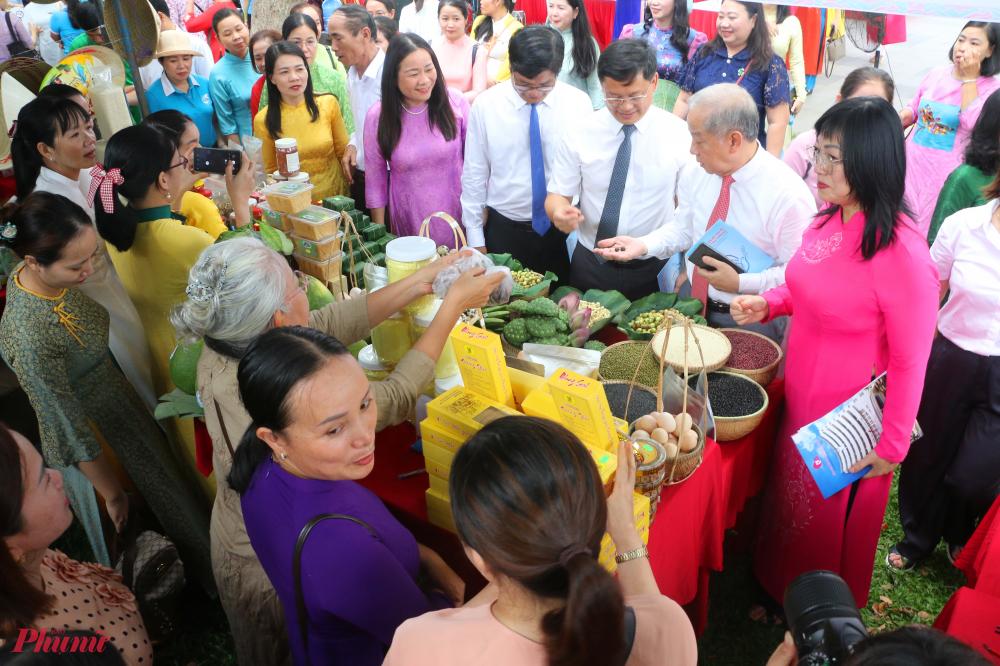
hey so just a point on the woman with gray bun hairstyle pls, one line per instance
(236, 291)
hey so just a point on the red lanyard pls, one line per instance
(747, 69)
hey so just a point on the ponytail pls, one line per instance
(590, 629)
(248, 456)
(140, 153)
(41, 225)
(40, 121)
(71, 8)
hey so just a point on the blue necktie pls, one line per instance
(608, 227)
(539, 220)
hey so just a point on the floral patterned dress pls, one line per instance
(91, 597)
(58, 346)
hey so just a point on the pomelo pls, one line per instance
(319, 295)
(184, 367)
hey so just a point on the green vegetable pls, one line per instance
(516, 332)
(319, 296)
(595, 345)
(494, 320)
(184, 367)
(541, 327)
(561, 326)
(557, 340)
(689, 307)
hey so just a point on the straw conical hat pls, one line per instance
(20, 80)
(144, 29)
(74, 69)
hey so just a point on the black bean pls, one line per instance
(642, 402)
(731, 395)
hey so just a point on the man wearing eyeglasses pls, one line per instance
(623, 163)
(514, 130)
(743, 185)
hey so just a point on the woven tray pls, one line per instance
(694, 357)
(762, 376)
(682, 466)
(729, 428)
(508, 349)
(622, 344)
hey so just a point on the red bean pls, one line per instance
(749, 351)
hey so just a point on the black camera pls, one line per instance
(823, 618)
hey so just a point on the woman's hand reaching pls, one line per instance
(442, 576)
(749, 309)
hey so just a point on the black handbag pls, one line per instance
(16, 47)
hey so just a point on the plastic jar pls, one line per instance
(404, 257)
(277, 177)
(447, 383)
(374, 370)
(303, 177)
(392, 340)
(447, 364)
(287, 153)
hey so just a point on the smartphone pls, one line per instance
(215, 160)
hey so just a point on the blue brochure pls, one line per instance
(830, 445)
(742, 255)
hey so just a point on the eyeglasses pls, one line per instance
(615, 102)
(822, 159)
(304, 281)
(526, 89)
(182, 163)
(304, 42)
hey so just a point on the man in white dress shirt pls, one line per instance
(151, 73)
(740, 183)
(352, 39)
(623, 161)
(509, 150)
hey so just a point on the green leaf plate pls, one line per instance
(613, 300)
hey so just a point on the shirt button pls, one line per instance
(728, 61)
(723, 73)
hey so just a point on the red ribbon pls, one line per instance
(104, 181)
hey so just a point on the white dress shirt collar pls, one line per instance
(168, 87)
(372, 71)
(746, 172)
(518, 101)
(642, 125)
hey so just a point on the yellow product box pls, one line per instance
(438, 503)
(607, 465)
(620, 424)
(540, 403)
(446, 522)
(437, 460)
(642, 516)
(481, 362)
(439, 486)
(583, 408)
(430, 432)
(523, 383)
(461, 413)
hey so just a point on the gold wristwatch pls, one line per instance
(632, 554)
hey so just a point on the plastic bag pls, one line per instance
(375, 276)
(698, 405)
(108, 100)
(581, 361)
(447, 277)
(253, 147)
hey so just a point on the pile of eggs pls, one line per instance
(673, 432)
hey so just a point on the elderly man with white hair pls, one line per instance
(743, 185)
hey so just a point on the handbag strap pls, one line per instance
(13, 35)
(475, 47)
(131, 537)
(300, 602)
(225, 433)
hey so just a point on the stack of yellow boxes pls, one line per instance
(608, 552)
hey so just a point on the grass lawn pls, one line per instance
(730, 639)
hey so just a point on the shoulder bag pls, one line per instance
(16, 47)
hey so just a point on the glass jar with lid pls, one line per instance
(447, 364)
(286, 151)
(392, 339)
(404, 257)
(374, 370)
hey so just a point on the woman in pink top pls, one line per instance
(462, 62)
(863, 290)
(944, 110)
(530, 509)
(862, 82)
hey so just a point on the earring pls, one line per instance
(22, 559)
(283, 456)
(169, 196)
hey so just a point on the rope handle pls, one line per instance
(349, 229)
(456, 228)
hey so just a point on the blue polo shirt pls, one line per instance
(196, 102)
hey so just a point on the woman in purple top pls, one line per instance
(312, 436)
(417, 131)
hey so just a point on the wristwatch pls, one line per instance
(632, 554)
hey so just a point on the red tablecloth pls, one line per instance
(600, 12)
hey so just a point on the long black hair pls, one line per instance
(297, 20)
(781, 13)
(439, 111)
(40, 121)
(71, 8)
(990, 65)
(526, 496)
(861, 76)
(221, 16)
(874, 162)
(484, 31)
(680, 30)
(45, 223)
(759, 41)
(170, 122)
(88, 16)
(142, 153)
(273, 118)
(983, 151)
(584, 47)
(272, 367)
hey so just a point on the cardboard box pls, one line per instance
(429, 432)
(481, 361)
(438, 503)
(607, 466)
(461, 413)
(523, 383)
(439, 486)
(540, 403)
(583, 408)
(445, 521)
(437, 460)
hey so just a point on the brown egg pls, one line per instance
(640, 433)
(689, 441)
(666, 421)
(683, 424)
(647, 423)
(671, 448)
(660, 435)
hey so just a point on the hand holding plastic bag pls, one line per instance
(447, 277)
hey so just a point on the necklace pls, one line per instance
(415, 113)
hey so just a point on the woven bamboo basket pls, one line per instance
(622, 344)
(729, 428)
(694, 368)
(508, 349)
(682, 466)
(762, 376)
(644, 387)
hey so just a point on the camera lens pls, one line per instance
(822, 615)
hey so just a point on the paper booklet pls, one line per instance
(831, 444)
(724, 243)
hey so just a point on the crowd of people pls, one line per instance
(598, 166)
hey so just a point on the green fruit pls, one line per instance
(356, 348)
(319, 295)
(184, 367)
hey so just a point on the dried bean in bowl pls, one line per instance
(750, 352)
(731, 395)
(642, 402)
